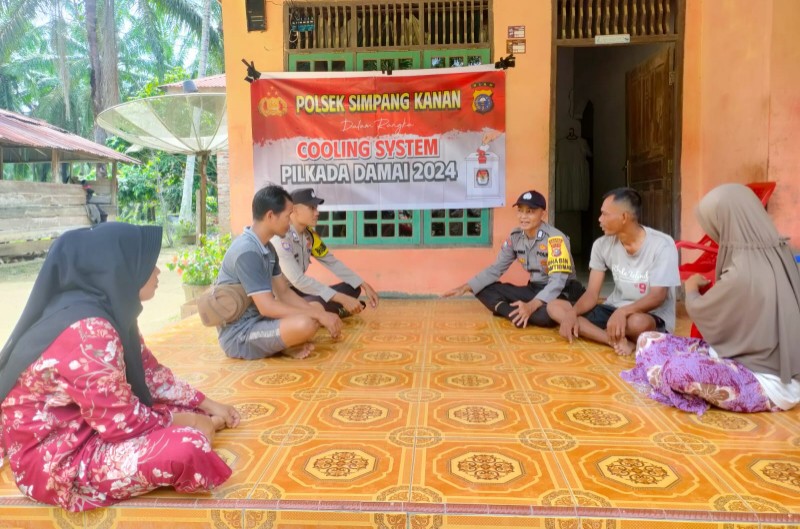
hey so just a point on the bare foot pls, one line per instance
(623, 347)
(298, 352)
(218, 422)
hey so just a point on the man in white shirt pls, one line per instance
(295, 250)
(644, 263)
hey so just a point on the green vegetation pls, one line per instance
(64, 61)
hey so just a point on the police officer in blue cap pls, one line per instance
(544, 252)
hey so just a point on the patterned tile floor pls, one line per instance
(433, 413)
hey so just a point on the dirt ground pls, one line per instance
(16, 282)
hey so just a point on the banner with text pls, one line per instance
(366, 141)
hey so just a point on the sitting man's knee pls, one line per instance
(298, 328)
(307, 325)
(556, 308)
(639, 323)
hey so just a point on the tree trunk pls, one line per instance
(188, 175)
(108, 80)
(204, 32)
(109, 57)
(95, 79)
(58, 31)
(188, 188)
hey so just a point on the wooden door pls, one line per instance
(650, 109)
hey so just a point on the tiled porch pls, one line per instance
(433, 413)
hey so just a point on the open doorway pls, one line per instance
(615, 125)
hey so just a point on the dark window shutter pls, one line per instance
(256, 15)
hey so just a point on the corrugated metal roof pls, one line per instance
(212, 83)
(24, 139)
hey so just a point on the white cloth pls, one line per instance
(572, 175)
(784, 396)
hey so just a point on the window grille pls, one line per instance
(641, 19)
(314, 26)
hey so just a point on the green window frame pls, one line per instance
(388, 227)
(430, 228)
(378, 61)
(456, 227)
(337, 227)
(321, 62)
(441, 58)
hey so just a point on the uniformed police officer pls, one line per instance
(302, 242)
(544, 252)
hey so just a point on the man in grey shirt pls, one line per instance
(302, 242)
(644, 263)
(544, 253)
(278, 320)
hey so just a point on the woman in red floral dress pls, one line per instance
(89, 416)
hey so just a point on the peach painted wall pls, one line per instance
(741, 104)
(784, 133)
(413, 271)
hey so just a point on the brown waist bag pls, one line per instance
(222, 304)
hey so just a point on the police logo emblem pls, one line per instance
(286, 246)
(555, 243)
(482, 101)
(273, 106)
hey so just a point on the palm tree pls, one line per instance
(85, 33)
(59, 59)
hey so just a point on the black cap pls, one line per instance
(307, 196)
(532, 199)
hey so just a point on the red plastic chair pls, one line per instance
(706, 262)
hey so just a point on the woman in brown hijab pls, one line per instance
(749, 358)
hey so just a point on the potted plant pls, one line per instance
(186, 232)
(198, 266)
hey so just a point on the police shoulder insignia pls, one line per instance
(318, 248)
(558, 259)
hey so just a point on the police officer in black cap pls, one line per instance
(300, 244)
(544, 253)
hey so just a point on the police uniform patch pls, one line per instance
(318, 248)
(558, 260)
(543, 247)
(286, 246)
